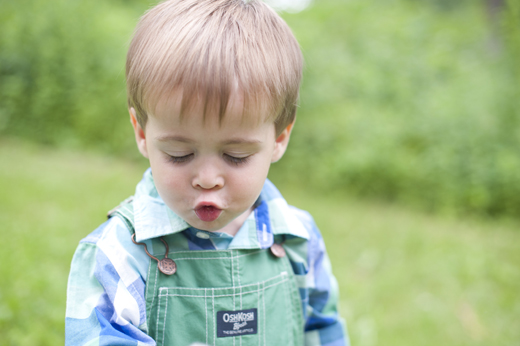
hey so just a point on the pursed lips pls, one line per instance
(207, 212)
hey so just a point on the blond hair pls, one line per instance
(210, 49)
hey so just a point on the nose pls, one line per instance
(208, 176)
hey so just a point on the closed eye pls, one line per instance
(236, 160)
(180, 159)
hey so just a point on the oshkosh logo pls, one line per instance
(238, 317)
(236, 323)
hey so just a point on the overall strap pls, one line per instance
(125, 211)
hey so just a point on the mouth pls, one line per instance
(207, 212)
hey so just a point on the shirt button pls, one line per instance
(278, 250)
(202, 235)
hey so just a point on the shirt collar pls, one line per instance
(272, 216)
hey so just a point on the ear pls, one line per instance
(140, 136)
(281, 143)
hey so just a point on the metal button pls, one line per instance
(278, 250)
(202, 235)
(167, 266)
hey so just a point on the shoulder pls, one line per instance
(287, 219)
(111, 237)
(314, 244)
(300, 223)
(110, 230)
(111, 246)
(307, 221)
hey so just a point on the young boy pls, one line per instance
(207, 250)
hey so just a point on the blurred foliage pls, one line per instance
(62, 72)
(414, 101)
(410, 101)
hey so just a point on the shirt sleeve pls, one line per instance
(323, 324)
(105, 294)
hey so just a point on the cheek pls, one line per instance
(249, 182)
(170, 181)
(174, 194)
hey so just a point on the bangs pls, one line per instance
(209, 51)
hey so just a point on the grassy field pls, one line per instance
(405, 278)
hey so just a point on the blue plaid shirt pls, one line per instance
(106, 289)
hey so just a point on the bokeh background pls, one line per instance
(406, 150)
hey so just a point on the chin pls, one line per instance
(206, 226)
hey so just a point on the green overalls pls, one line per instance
(221, 297)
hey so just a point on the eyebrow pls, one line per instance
(231, 141)
(173, 139)
(242, 141)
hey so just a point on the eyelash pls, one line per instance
(231, 159)
(236, 160)
(180, 159)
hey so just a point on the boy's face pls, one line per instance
(209, 173)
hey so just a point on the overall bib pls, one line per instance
(221, 297)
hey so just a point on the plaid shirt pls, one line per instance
(106, 290)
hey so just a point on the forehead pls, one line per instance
(198, 111)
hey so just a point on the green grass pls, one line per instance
(405, 278)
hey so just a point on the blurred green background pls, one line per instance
(408, 134)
